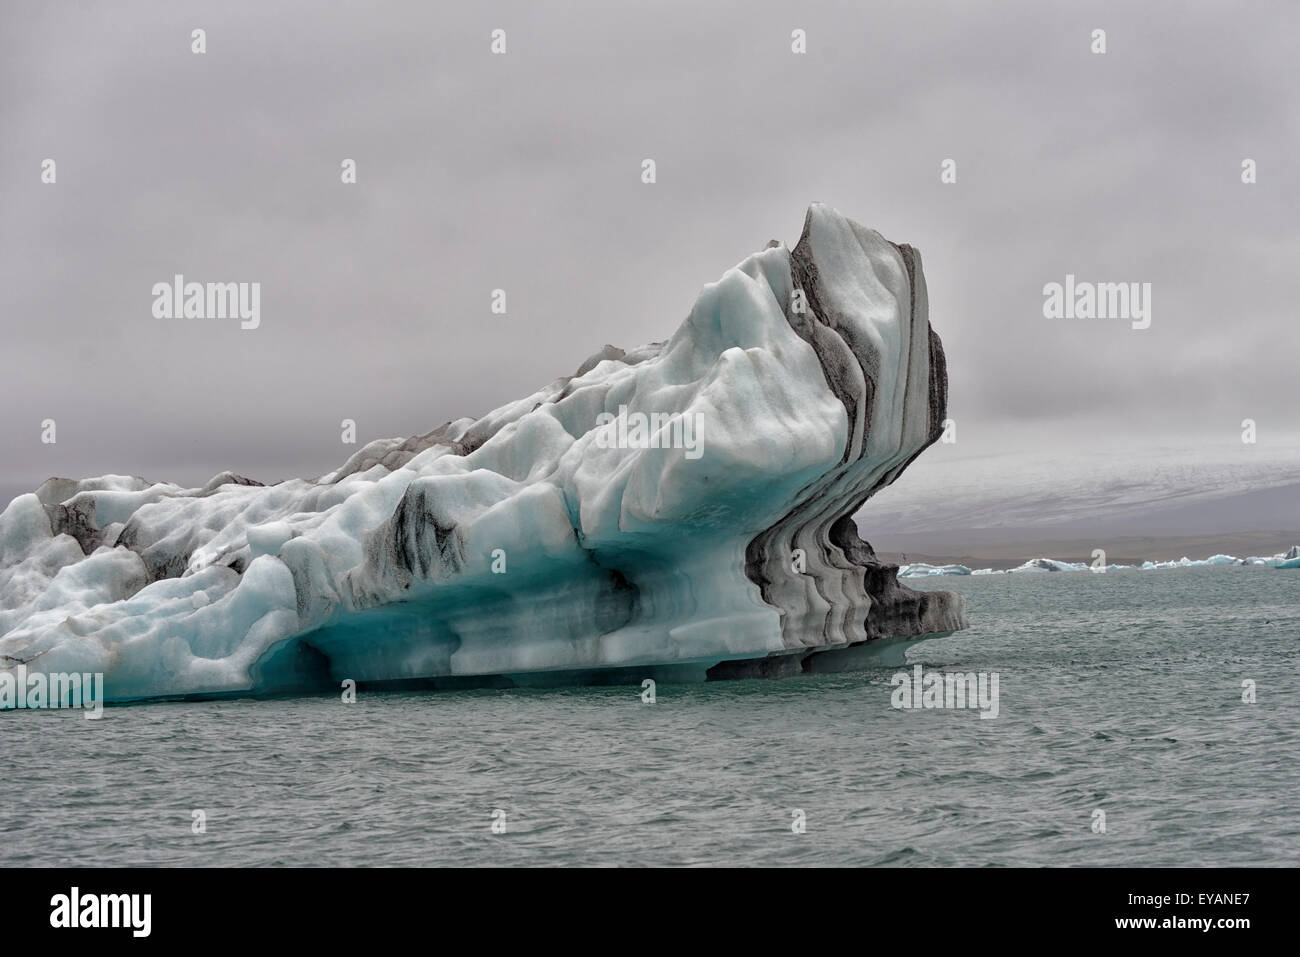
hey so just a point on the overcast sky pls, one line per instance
(522, 171)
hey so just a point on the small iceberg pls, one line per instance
(1048, 565)
(922, 570)
(1287, 559)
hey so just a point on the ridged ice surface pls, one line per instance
(535, 540)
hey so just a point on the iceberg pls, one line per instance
(1214, 560)
(1048, 565)
(923, 570)
(680, 509)
(1288, 559)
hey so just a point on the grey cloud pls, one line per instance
(522, 172)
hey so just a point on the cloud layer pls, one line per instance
(522, 172)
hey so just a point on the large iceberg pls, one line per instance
(682, 509)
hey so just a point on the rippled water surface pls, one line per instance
(1119, 692)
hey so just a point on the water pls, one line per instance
(1119, 692)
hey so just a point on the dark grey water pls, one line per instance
(1119, 693)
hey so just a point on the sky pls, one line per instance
(522, 171)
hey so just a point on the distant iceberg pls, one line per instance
(922, 570)
(1186, 562)
(1048, 565)
(546, 540)
(1288, 559)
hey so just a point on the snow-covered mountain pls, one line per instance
(1153, 489)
